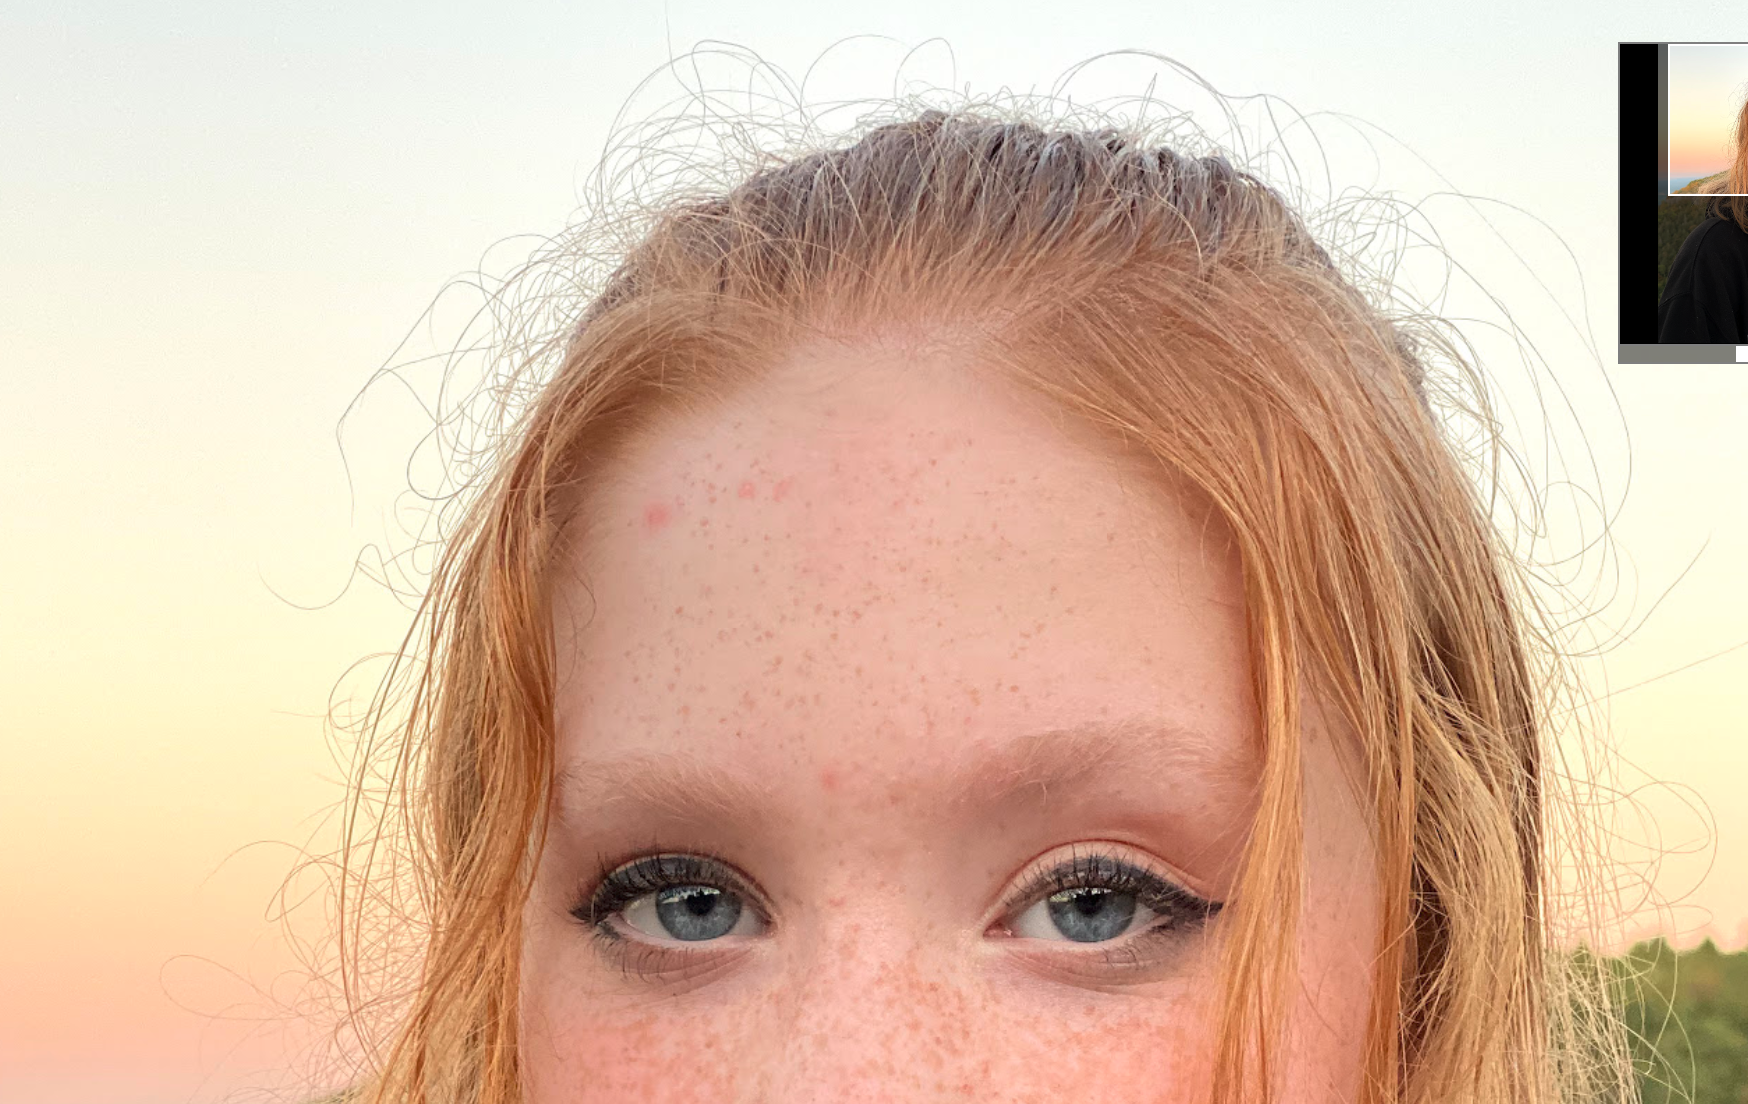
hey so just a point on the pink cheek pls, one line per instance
(914, 1041)
(649, 1059)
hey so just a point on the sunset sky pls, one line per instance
(217, 220)
(1707, 84)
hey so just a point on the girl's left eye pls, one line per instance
(1088, 914)
(1094, 895)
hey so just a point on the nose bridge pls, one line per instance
(873, 1014)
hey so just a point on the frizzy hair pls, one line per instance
(1734, 182)
(1180, 307)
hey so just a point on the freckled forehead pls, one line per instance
(863, 542)
(840, 443)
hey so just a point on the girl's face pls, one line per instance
(906, 748)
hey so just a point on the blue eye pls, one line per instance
(1097, 898)
(685, 898)
(1092, 914)
(690, 913)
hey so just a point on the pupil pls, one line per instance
(693, 913)
(1092, 914)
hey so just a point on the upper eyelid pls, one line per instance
(720, 868)
(1035, 881)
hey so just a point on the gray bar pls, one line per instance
(1680, 354)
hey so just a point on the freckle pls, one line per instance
(656, 515)
(746, 489)
(781, 489)
(670, 686)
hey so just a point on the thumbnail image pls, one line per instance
(1708, 117)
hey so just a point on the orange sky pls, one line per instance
(1707, 83)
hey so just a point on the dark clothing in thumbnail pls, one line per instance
(1705, 300)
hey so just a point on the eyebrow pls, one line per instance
(683, 786)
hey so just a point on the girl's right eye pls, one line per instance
(690, 913)
(672, 898)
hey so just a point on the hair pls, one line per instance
(1735, 181)
(1182, 308)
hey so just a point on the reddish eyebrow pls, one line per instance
(684, 786)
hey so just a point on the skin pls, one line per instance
(818, 633)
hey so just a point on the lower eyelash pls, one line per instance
(630, 957)
(636, 959)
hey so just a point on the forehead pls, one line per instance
(885, 560)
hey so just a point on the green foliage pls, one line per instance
(1695, 187)
(1688, 1013)
(1676, 219)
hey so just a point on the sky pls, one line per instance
(1707, 84)
(218, 220)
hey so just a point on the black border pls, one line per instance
(1644, 161)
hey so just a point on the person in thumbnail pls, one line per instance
(1705, 300)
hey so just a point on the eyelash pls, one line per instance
(1178, 910)
(618, 885)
